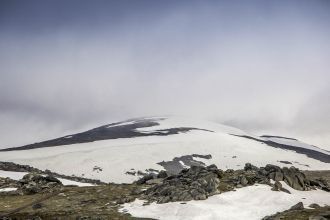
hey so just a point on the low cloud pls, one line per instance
(263, 72)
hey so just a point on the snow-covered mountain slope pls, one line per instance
(162, 143)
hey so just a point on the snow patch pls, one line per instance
(121, 124)
(250, 203)
(8, 189)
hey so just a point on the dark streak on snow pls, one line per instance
(308, 152)
(110, 131)
(284, 161)
(272, 136)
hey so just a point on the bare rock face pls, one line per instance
(196, 183)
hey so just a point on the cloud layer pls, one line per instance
(260, 66)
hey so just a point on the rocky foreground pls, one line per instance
(198, 182)
(44, 196)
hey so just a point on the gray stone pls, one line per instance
(314, 206)
(154, 181)
(277, 186)
(278, 176)
(162, 174)
(298, 206)
(243, 180)
(34, 183)
(37, 206)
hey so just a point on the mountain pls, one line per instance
(119, 152)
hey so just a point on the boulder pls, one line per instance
(278, 176)
(298, 206)
(243, 180)
(294, 178)
(37, 206)
(314, 206)
(34, 183)
(277, 186)
(145, 178)
(249, 166)
(272, 168)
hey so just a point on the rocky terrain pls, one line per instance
(299, 212)
(10, 166)
(44, 197)
(97, 202)
(200, 182)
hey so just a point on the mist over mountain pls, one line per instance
(170, 110)
(260, 66)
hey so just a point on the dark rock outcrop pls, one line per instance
(298, 206)
(195, 183)
(8, 183)
(10, 166)
(199, 182)
(294, 178)
(34, 183)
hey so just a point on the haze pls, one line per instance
(261, 66)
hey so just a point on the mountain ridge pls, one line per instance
(158, 143)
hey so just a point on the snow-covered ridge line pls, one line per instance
(126, 129)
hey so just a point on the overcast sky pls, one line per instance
(262, 66)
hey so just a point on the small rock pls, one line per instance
(314, 206)
(145, 178)
(249, 166)
(136, 191)
(125, 200)
(298, 206)
(162, 174)
(37, 206)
